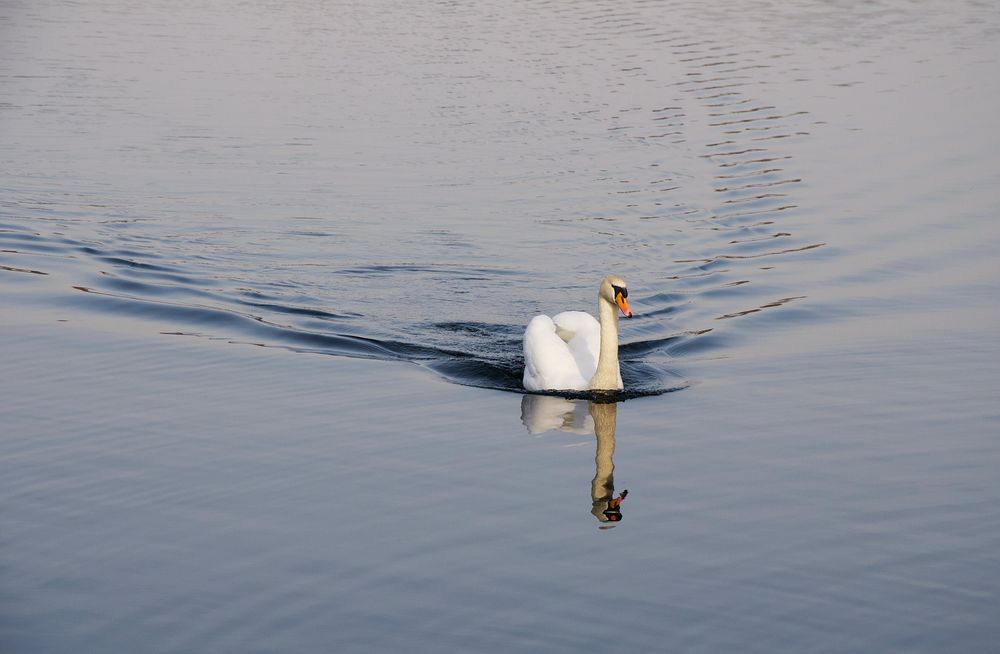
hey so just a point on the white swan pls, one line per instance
(572, 351)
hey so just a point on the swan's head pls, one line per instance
(614, 290)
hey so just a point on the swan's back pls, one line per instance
(561, 353)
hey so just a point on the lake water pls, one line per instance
(264, 270)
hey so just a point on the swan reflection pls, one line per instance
(541, 413)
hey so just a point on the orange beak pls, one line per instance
(623, 305)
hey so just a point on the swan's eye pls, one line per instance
(620, 291)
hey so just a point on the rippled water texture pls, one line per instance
(802, 196)
(413, 186)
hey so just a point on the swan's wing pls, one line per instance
(549, 364)
(585, 344)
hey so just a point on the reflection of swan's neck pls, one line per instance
(602, 487)
(607, 375)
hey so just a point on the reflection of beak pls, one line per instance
(623, 305)
(614, 511)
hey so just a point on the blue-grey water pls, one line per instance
(264, 269)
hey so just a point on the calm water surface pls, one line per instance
(264, 271)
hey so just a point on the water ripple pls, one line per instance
(665, 157)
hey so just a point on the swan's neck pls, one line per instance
(607, 377)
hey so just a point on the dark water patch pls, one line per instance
(757, 185)
(763, 173)
(140, 288)
(480, 373)
(758, 245)
(302, 311)
(229, 323)
(161, 274)
(633, 379)
(461, 272)
(132, 254)
(735, 218)
(733, 153)
(737, 112)
(769, 253)
(769, 305)
(23, 270)
(126, 263)
(767, 237)
(750, 163)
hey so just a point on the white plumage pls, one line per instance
(561, 352)
(564, 352)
